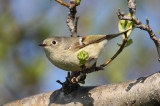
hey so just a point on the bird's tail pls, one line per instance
(111, 36)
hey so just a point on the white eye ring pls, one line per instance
(54, 42)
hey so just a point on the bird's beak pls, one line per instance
(42, 45)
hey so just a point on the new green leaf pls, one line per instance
(125, 25)
(82, 56)
(78, 2)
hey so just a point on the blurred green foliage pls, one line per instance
(15, 73)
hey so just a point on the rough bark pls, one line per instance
(141, 91)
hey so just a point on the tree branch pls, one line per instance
(141, 91)
(71, 22)
(138, 23)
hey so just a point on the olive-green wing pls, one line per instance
(93, 39)
(86, 40)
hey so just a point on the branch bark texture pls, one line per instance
(141, 91)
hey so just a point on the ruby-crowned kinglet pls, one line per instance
(63, 51)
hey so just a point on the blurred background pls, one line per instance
(24, 68)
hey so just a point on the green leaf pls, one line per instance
(82, 56)
(78, 2)
(158, 32)
(125, 25)
(129, 42)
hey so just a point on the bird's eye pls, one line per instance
(54, 42)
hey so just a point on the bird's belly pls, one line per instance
(66, 62)
(70, 63)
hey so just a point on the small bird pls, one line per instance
(63, 51)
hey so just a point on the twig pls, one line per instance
(58, 81)
(62, 3)
(138, 23)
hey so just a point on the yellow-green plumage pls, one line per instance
(62, 51)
